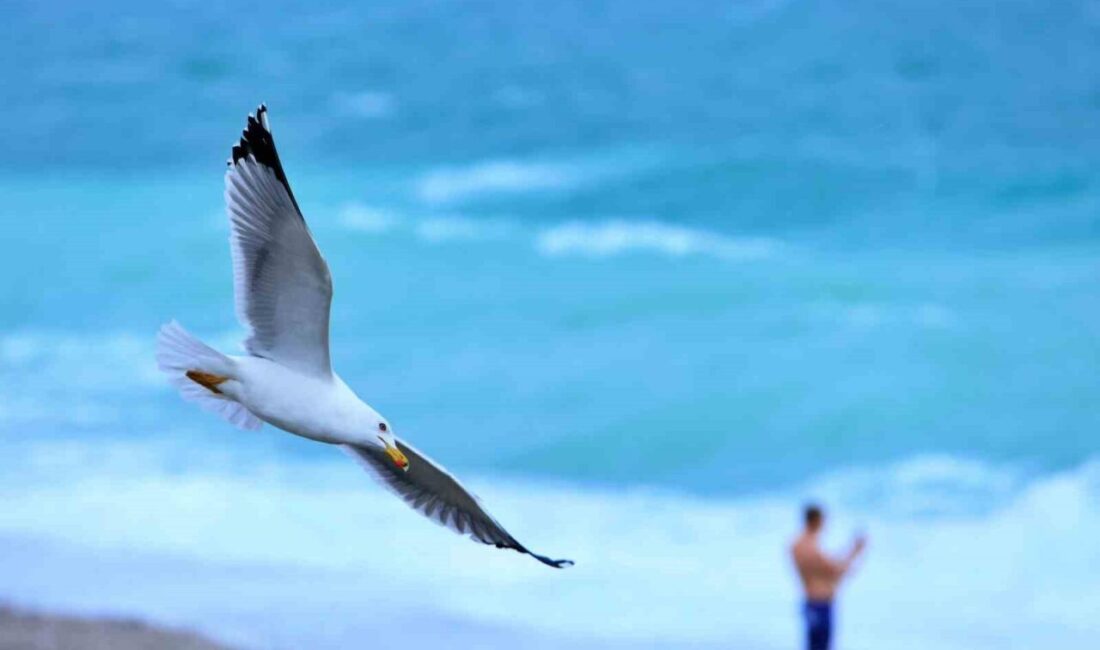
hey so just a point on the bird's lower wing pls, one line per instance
(431, 490)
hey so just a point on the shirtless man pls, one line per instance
(820, 576)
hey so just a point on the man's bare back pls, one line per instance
(821, 574)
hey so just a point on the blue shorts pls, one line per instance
(819, 623)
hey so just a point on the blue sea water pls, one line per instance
(647, 275)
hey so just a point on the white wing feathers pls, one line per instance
(282, 284)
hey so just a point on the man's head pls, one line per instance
(813, 516)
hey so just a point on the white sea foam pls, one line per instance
(659, 568)
(576, 238)
(435, 229)
(927, 485)
(452, 184)
(614, 237)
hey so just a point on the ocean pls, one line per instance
(646, 276)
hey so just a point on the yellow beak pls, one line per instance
(396, 456)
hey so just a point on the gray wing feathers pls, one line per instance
(432, 491)
(282, 284)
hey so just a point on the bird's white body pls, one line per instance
(283, 293)
(324, 409)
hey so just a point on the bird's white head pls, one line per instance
(389, 444)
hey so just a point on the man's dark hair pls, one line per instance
(812, 514)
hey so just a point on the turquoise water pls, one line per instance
(625, 362)
(670, 269)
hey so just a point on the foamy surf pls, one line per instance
(452, 184)
(607, 238)
(654, 567)
(520, 177)
(585, 239)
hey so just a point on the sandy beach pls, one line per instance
(22, 629)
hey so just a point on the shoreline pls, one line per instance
(174, 599)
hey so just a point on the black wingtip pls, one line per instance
(557, 564)
(256, 141)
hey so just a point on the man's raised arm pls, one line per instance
(844, 565)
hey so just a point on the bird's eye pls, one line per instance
(382, 426)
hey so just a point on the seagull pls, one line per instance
(283, 291)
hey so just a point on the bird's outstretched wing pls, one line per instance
(432, 491)
(282, 284)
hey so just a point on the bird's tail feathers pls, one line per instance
(196, 370)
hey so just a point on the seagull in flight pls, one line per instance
(283, 292)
